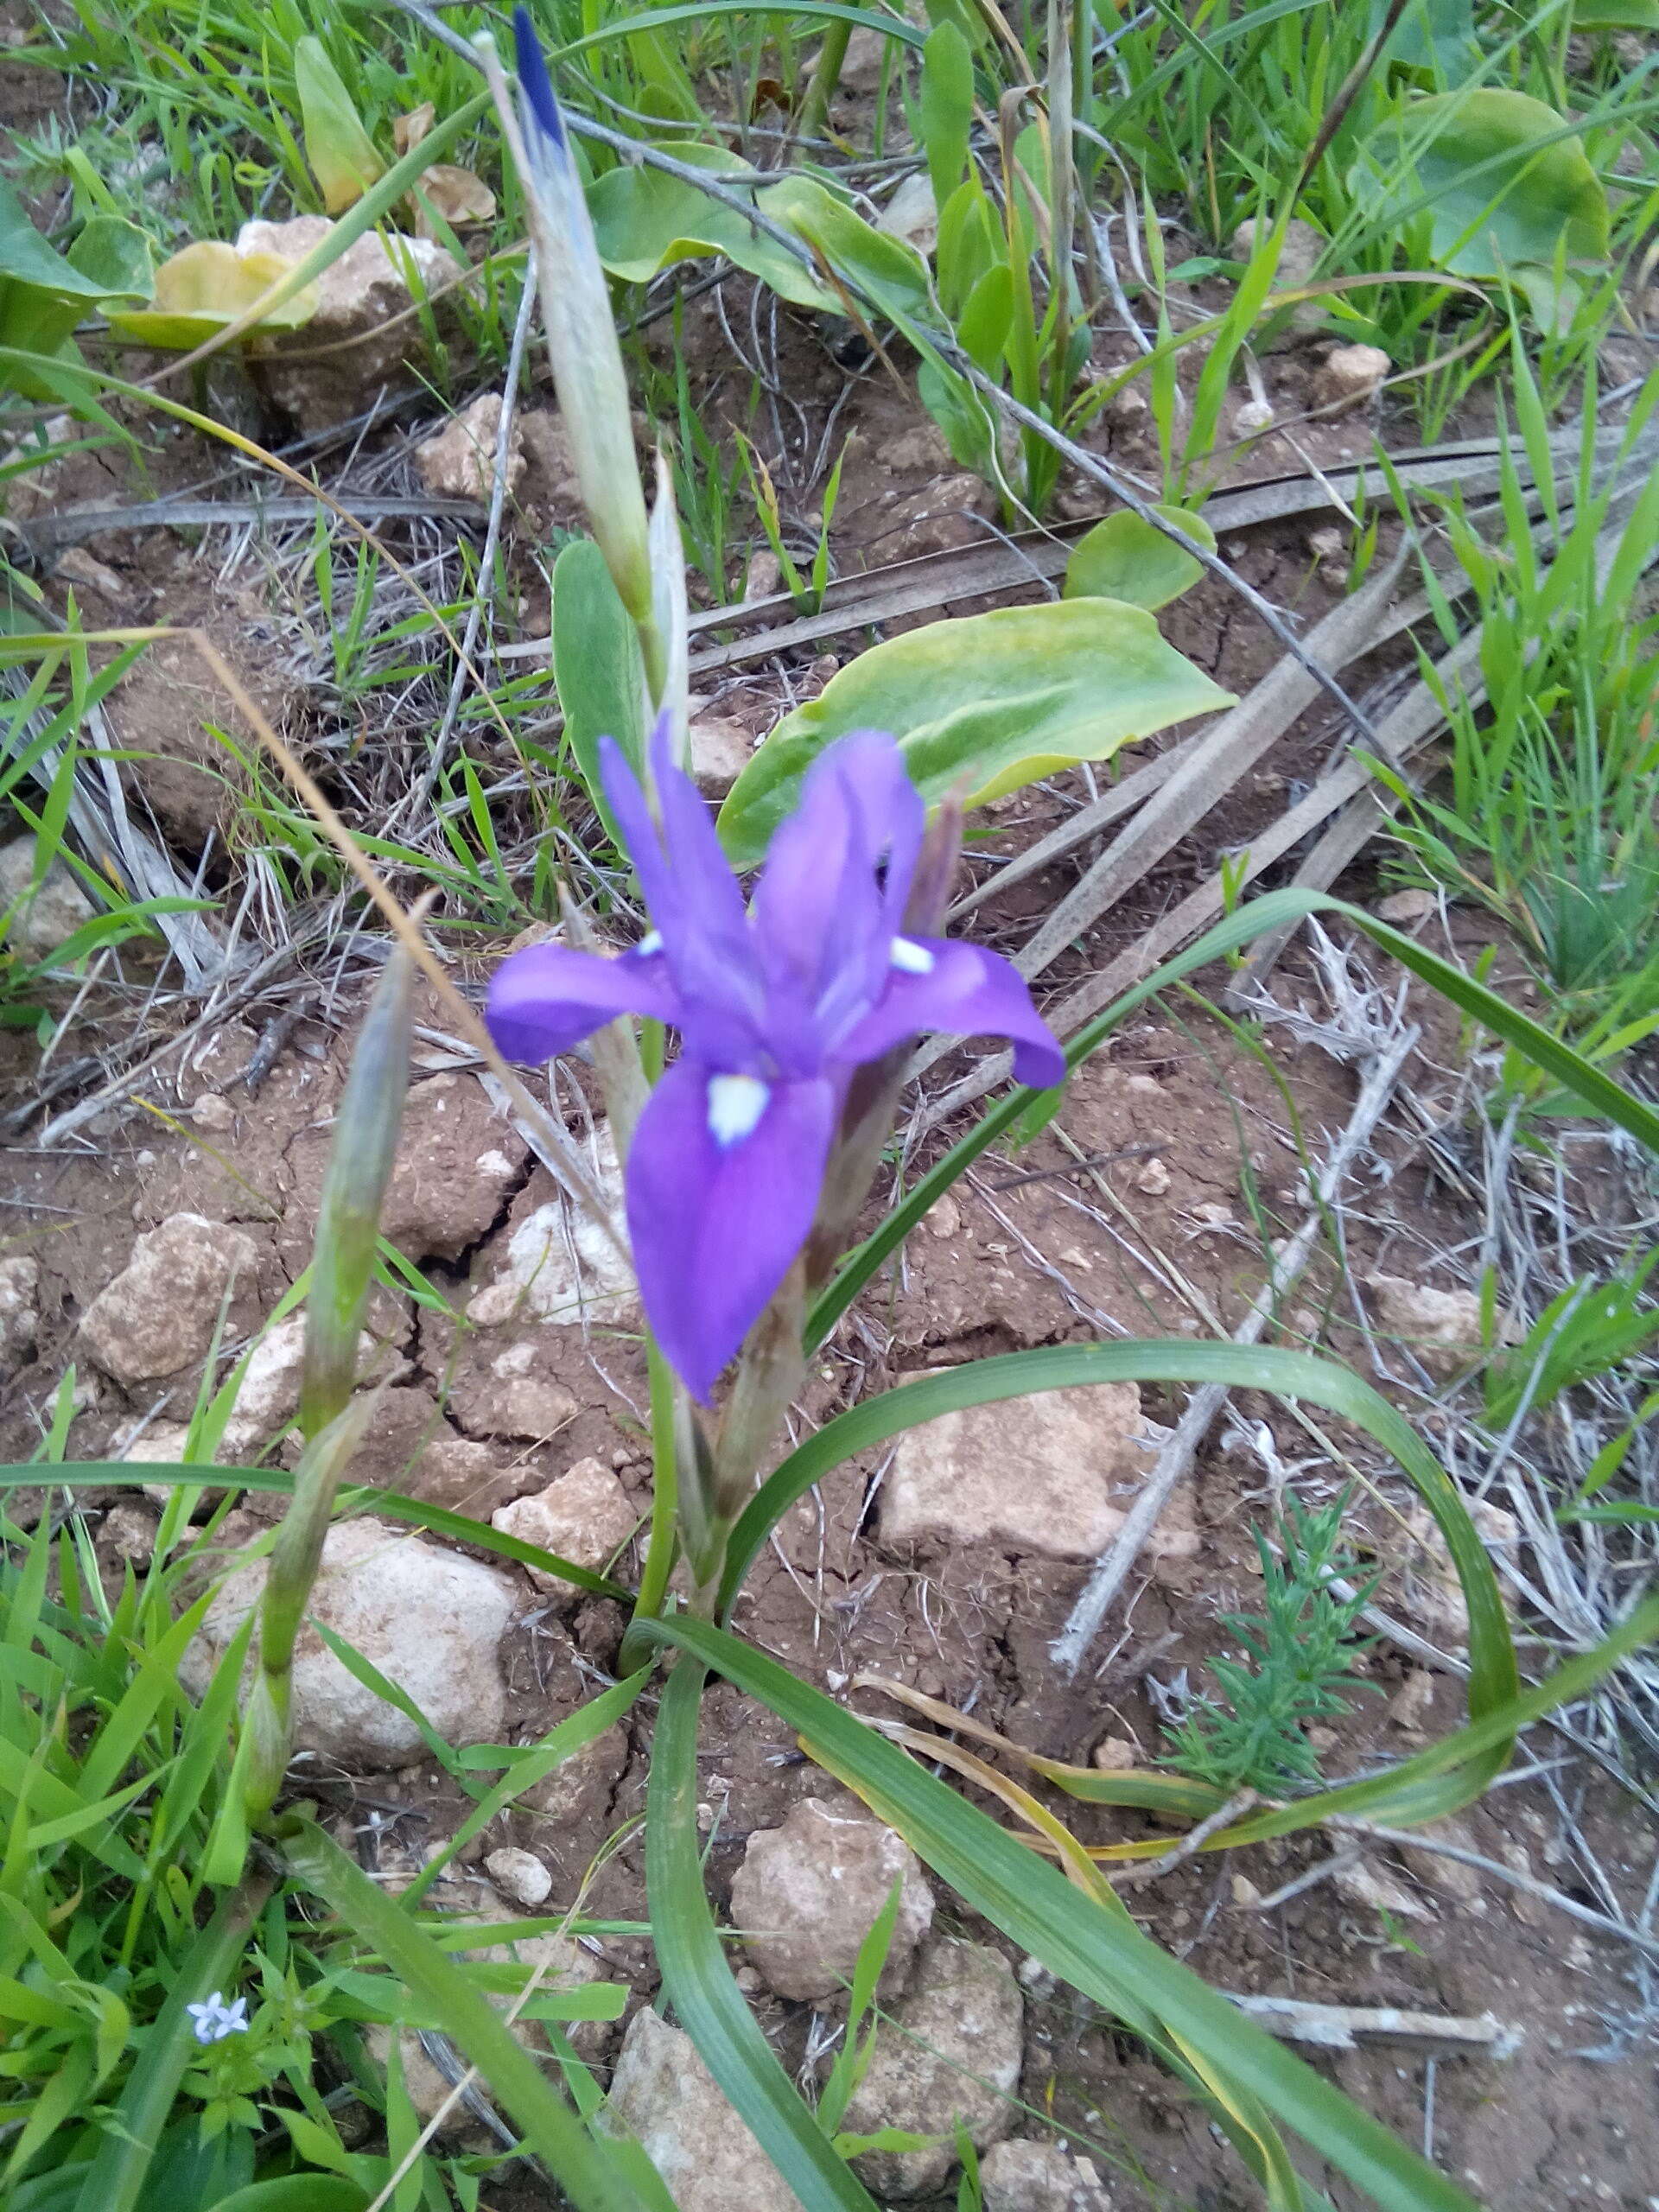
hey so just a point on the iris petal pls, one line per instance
(966, 991)
(716, 1221)
(546, 999)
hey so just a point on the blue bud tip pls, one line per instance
(533, 80)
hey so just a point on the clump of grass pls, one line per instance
(1296, 1665)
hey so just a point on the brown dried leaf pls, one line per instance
(409, 130)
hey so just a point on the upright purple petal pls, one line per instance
(722, 1187)
(937, 984)
(547, 998)
(823, 920)
(694, 900)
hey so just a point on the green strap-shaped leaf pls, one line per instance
(712, 2009)
(1492, 1677)
(1104, 1955)
(585, 2169)
(341, 154)
(597, 668)
(130, 1474)
(1276, 910)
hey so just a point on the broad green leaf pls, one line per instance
(298, 2193)
(115, 255)
(1100, 1953)
(712, 2009)
(589, 2175)
(204, 287)
(1125, 558)
(339, 148)
(946, 107)
(44, 294)
(644, 221)
(889, 272)
(1506, 183)
(997, 699)
(1437, 37)
(1616, 15)
(597, 668)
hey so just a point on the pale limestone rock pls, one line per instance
(1299, 257)
(20, 1305)
(559, 1265)
(459, 462)
(1447, 1878)
(721, 750)
(1028, 2175)
(1443, 1327)
(912, 214)
(514, 1397)
(1349, 376)
(584, 1515)
(361, 297)
(569, 1965)
(458, 1161)
(808, 1893)
(958, 2060)
(1363, 1885)
(663, 2094)
(428, 1619)
(47, 913)
(519, 1875)
(1054, 1473)
(159, 1313)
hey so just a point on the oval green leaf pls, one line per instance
(1504, 181)
(1125, 558)
(339, 148)
(644, 221)
(997, 699)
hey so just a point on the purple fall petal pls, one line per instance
(715, 1224)
(546, 999)
(966, 991)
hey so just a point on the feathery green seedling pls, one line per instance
(1297, 1663)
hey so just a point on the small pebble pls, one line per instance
(519, 1875)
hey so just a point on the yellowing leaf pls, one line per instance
(998, 700)
(454, 194)
(1124, 557)
(205, 287)
(339, 148)
(409, 130)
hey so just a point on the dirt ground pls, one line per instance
(1142, 1210)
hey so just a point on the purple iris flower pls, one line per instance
(776, 1003)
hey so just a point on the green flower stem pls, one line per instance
(366, 1123)
(293, 1569)
(826, 75)
(663, 1543)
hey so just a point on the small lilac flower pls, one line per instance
(776, 1005)
(215, 2020)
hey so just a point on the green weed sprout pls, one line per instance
(1296, 1667)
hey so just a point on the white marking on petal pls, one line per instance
(652, 942)
(912, 959)
(735, 1105)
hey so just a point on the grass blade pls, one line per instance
(712, 2008)
(585, 2169)
(1104, 1956)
